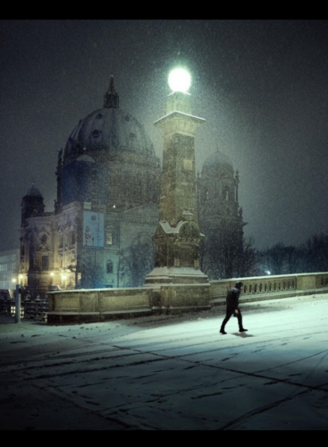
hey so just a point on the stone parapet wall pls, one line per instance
(103, 304)
(269, 287)
(81, 306)
(179, 297)
(84, 305)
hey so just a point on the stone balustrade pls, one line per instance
(268, 287)
(76, 306)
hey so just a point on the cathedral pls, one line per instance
(107, 209)
(220, 217)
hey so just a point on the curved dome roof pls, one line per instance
(218, 160)
(86, 158)
(33, 192)
(110, 129)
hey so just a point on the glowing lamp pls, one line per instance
(179, 80)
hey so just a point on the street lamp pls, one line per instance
(179, 80)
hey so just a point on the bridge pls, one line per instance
(82, 305)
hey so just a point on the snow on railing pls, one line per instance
(271, 285)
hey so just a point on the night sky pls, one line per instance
(262, 87)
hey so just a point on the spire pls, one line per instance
(111, 98)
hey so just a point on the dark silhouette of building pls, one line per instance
(220, 217)
(107, 208)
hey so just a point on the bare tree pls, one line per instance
(280, 259)
(248, 260)
(136, 261)
(225, 255)
(92, 276)
(317, 253)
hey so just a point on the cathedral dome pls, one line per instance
(109, 159)
(109, 129)
(216, 161)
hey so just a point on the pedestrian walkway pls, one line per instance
(179, 375)
(6, 319)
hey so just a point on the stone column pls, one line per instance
(177, 237)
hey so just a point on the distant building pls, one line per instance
(106, 210)
(220, 217)
(9, 270)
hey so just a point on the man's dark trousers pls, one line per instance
(230, 311)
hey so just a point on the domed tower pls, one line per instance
(108, 190)
(32, 204)
(220, 217)
(35, 242)
(109, 160)
(106, 207)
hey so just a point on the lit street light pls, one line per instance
(179, 80)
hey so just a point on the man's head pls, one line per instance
(239, 285)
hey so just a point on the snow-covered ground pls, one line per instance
(174, 372)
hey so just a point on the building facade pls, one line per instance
(9, 271)
(107, 208)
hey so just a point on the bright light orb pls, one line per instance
(179, 80)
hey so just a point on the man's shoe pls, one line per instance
(243, 330)
(223, 331)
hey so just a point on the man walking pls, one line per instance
(233, 307)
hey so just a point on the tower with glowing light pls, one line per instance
(178, 237)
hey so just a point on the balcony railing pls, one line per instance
(270, 287)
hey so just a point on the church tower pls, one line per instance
(32, 204)
(220, 217)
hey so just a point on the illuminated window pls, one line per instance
(109, 238)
